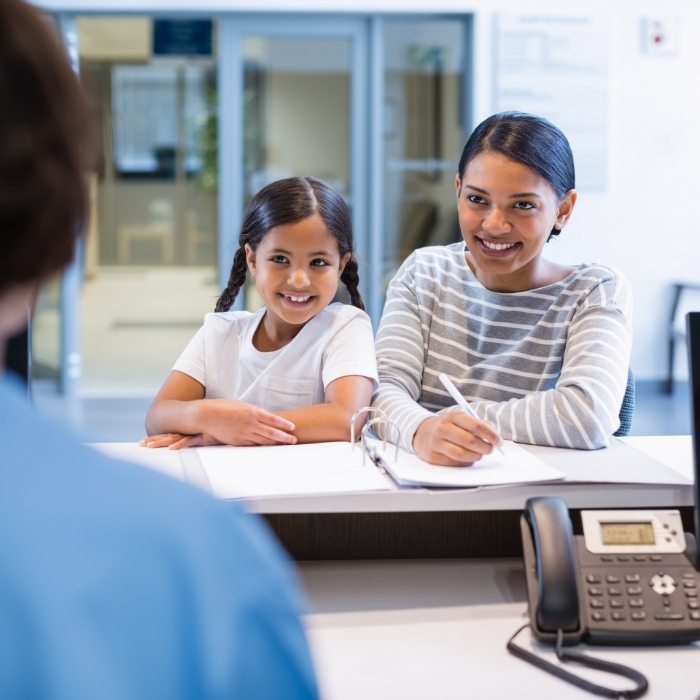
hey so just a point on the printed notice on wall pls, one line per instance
(557, 67)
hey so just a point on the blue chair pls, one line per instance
(627, 408)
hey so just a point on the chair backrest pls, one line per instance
(627, 408)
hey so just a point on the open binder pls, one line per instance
(514, 466)
(365, 464)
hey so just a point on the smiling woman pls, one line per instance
(540, 350)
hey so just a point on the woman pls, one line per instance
(539, 349)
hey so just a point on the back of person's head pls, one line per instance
(289, 201)
(527, 139)
(43, 124)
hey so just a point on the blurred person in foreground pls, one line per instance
(115, 581)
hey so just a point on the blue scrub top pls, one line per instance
(118, 582)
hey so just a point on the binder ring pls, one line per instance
(365, 409)
(373, 421)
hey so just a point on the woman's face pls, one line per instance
(506, 213)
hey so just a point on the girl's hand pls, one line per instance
(454, 439)
(176, 441)
(162, 440)
(238, 423)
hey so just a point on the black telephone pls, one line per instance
(627, 580)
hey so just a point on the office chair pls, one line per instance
(627, 408)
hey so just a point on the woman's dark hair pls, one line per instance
(289, 201)
(43, 149)
(527, 139)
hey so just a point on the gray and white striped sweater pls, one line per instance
(546, 366)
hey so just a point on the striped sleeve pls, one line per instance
(401, 355)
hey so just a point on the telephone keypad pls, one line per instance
(626, 594)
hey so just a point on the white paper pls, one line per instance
(515, 466)
(288, 470)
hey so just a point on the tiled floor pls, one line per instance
(121, 419)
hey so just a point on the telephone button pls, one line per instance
(598, 616)
(634, 590)
(618, 616)
(662, 583)
(689, 584)
(638, 615)
(610, 578)
(625, 558)
(669, 616)
(638, 558)
(656, 557)
(635, 603)
(616, 603)
(693, 604)
(594, 590)
(593, 578)
(689, 575)
(632, 578)
(694, 614)
(614, 590)
(691, 594)
(607, 559)
(597, 603)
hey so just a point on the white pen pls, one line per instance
(461, 401)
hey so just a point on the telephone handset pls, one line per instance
(627, 580)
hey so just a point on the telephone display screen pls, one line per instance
(627, 533)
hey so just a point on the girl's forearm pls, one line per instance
(326, 422)
(173, 416)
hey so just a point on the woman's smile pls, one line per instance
(497, 249)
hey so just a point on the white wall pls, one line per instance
(645, 223)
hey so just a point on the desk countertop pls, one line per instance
(664, 463)
(438, 629)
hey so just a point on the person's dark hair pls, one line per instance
(43, 149)
(527, 139)
(289, 201)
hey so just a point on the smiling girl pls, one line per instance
(540, 350)
(297, 369)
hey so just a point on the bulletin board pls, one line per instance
(556, 67)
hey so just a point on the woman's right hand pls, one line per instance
(454, 439)
(239, 423)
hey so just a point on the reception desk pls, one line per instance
(435, 624)
(482, 522)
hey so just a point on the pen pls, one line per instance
(461, 401)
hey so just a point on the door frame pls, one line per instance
(232, 31)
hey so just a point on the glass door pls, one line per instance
(293, 97)
(425, 127)
(147, 272)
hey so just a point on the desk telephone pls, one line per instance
(627, 580)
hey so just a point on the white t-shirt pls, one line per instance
(337, 342)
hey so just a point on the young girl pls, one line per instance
(297, 369)
(539, 349)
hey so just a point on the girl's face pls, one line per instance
(296, 268)
(506, 213)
